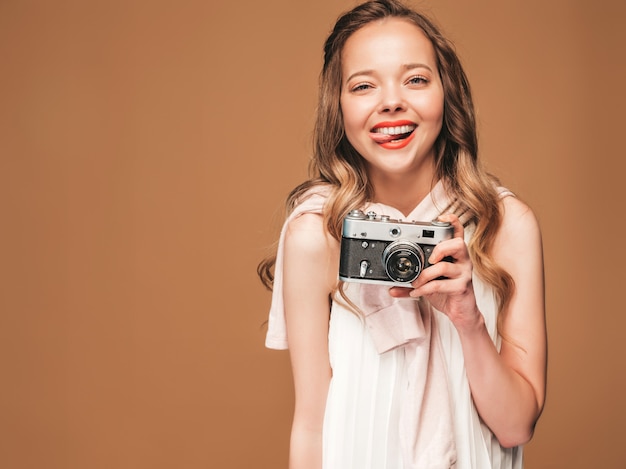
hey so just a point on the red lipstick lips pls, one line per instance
(393, 135)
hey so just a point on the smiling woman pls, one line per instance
(392, 104)
(449, 370)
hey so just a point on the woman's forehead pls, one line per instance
(391, 42)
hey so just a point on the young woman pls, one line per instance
(451, 371)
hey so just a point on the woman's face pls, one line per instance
(391, 97)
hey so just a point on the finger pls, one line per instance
(455, 222)
(454, 248)
(400, 292)
(456, 286)
(439, 271)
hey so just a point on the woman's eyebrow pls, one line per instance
(361, 73)
(409, 66)
(417, 65)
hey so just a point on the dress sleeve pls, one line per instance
(504, 192)
(276, 337)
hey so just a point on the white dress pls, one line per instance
(366, 399)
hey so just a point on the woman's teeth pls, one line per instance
(392, 134)
(398, 130)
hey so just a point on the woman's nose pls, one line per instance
(392, 100)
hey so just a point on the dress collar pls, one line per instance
(432, 205)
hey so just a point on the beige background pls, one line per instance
(146, 148)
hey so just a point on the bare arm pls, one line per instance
(518, 248)
(310, 274)
(508, 388)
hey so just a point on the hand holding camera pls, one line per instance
(453, 296)
(380, 250)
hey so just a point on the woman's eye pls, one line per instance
(361, 87)
(418, 80)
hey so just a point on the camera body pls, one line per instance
(382, 250)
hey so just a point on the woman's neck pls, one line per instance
(402, 192)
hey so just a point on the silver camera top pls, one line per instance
(358, 224)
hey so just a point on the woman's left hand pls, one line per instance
(454, 293)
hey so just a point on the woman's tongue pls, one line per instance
(385, 138)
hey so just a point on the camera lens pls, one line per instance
(403, 261)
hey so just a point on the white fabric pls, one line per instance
(368, 392)
(426, 430)
(276, 337)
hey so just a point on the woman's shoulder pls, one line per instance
(310, 250)
(308, 223)
(307, 233)
(519, 228)
(308, 197)
(516, 213)
(305, 211)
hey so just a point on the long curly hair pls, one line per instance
(338, 166)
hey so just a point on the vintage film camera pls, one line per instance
(383, 250)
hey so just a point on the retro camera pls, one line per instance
(384, 250)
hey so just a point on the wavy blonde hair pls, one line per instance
(337, 165)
